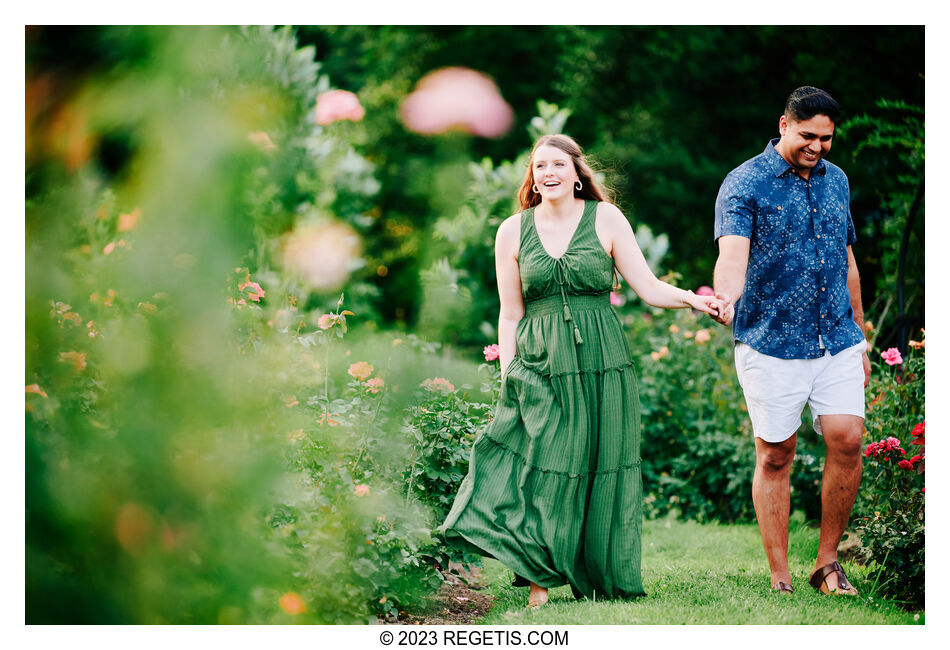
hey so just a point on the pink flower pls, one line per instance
(702, 336)
(321, 252)
(326, 321)
(892, 356)
(337, 105)
(36, 390)
(457, 98)
(615, 299)
(905, 464)
(360, 370)
(892, 443)
(254, 291)
(262, 141)
(438, 384)
(374, 385)
(705, 291)
(129, 221)
(109, 248)
(491, 352)
(361, 490)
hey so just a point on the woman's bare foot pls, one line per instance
(537, 596)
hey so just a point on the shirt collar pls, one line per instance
(780, 165)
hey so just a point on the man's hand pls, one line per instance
(867, 369)
(726, 315)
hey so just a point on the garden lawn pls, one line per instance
(705, 574)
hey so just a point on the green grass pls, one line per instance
(705, 574)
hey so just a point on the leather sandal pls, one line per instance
(817, 581)
(783, 588)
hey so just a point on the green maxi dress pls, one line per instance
(554, 489)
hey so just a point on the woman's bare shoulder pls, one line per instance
(510, 228)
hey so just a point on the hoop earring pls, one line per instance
(534, 188)
(578, 185)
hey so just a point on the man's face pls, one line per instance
(804, 143)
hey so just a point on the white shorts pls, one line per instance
(776, 390)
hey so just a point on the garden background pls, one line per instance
(259, 289)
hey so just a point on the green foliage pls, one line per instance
(699, 451)
(890, 508)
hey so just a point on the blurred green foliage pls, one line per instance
(209, 438)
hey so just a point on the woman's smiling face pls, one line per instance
(554, 172)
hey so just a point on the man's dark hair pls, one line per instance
(806, 102)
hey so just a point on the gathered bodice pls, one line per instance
(584, 268)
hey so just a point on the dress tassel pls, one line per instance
(577, 335)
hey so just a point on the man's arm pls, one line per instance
(854, 289)
(729, 275)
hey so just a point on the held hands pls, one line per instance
(712, 305)
(727, 312)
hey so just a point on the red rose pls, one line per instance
(905, 464)
(918, 430)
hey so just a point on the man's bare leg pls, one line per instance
(770, 495)
(839, 484)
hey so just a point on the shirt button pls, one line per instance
(822, 261)
(818, 236)
(816, 209)
(779, 208)
(822, 288)
(822, 315)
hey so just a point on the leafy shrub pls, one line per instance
(890, 508)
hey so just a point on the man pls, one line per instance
(788, 276)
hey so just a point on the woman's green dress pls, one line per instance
(554, 489)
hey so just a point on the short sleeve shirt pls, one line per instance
(796, 296)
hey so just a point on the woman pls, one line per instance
(554, 488)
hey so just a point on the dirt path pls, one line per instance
(454, 604)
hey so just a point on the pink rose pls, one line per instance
(254, 291)
(892, 356)
(491, 352)
(337, 105)
(457, 98)
(360, 370)
(361, 490)
(615, 299)
(893, 443)
(705, 291)
(374, 385)
(438, 384)
(702, 336)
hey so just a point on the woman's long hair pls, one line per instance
(591, 190)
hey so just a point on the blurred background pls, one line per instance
(252, 252)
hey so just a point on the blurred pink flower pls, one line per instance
(892, 356)
(438, 384)
(129, 221)
(360, 370)
(322, 253)
(336, 105)
(374, 385)
(705, 291)
(326, 321)
(36, 390)
(108, 248)
(702, 336)
(491, 352)
(262, 141)
(254, 291)
(362, 490)
(457, 98)
(615, 299)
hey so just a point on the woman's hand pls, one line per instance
(706, 304)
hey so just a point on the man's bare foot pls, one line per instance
(537, 596)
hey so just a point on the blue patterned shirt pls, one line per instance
(796, 295)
